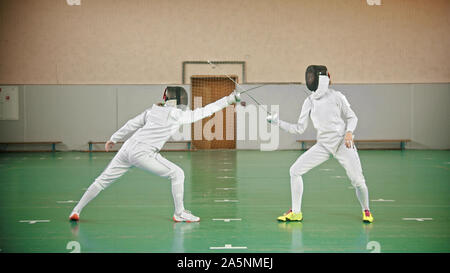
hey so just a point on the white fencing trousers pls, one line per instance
(138, 155)
(316, 155)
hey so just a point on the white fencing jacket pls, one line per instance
(156, 125)
(330, 113)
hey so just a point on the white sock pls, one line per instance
(90, 194)
(362, 193)
(178, 193)
(296, 193)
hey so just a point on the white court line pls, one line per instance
(227, 220)
(382, 200)
(227, 163)
(77, 158)
(338, 176)
(225, 200)
(417, 219)
(228, 247)
(225, 170)
(42, 158)
(225, 177)
(326, 170)
(34, 221)
(66, 202)
(225, 189)
(59, 158)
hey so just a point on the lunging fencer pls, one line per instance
(150, 131)
(335, 123)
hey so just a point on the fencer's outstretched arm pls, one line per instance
(130, 127)
(191, 116)
(348, 114)
(302, 123)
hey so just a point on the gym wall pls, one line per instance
(84, 70)
(146, 41)
(77, 114)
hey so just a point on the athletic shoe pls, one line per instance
(74, 216)
(290, 216)
(185, 216)
(367, 216)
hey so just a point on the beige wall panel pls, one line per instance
(146, 41)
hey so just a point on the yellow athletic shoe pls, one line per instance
(290, 216)
(367, 217)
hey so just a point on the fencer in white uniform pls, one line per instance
(150, 130)
(335, 123)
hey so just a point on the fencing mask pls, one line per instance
(175, 96)
(312, 76)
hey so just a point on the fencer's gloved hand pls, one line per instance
(273, 118)
(349, 140)
(234, 97)
(108, 145)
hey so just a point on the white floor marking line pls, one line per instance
(326, 170)
(225, 177)
(42, 158)
(94, 157)
(382, 200)
(227, 220)
(66, 202)
(59, 158)
(228, 247)
(225, 200)
(417, 219)
(225, 170)
(225, 189)
(338, 176)
(227, 163)
(76, 158)
(31, 222)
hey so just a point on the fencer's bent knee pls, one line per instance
(296, 170)
(103, 181)
(358, 183)
(177, 175)
(98, 184)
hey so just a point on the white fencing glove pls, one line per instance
(273, 118)
(234, 97)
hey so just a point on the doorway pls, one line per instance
(219, 130)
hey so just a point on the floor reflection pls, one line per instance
(295, 229)
(213, 181)
(180, 231)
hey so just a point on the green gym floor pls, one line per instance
(237, 194)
